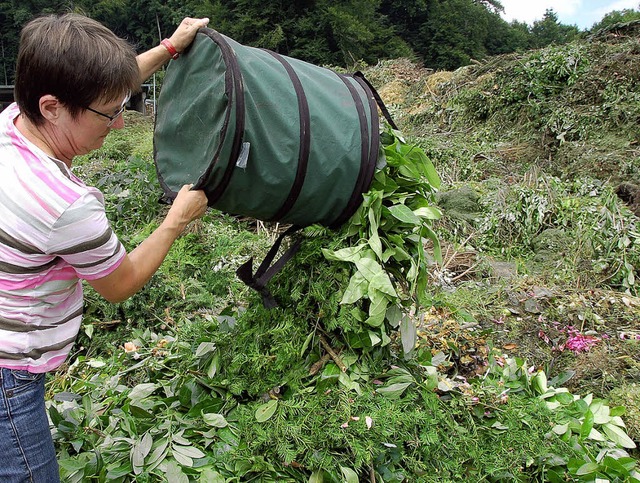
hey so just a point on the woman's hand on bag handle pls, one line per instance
(189, 205)
(151, 60)
(186, 32)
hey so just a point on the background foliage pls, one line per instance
(442, 34)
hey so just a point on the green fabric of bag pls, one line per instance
(265, 135)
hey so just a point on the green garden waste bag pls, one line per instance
(265, 135)
(268, 137)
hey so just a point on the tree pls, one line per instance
(549, 31)
(617, 16)
(456, 31)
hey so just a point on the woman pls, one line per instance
(73, 79)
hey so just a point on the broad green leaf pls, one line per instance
(564, 398)
(189, 451)
(618, 436)
(617, 420)
(213, 366)
(600, 412)
(587, 469)
(316, 477)
(374, 338)
(394, 390)
(349, 475)
(428, 212)
(382, 282)
(265, 411)
(587, 425)
(182, 459)
(142, 390)
(205, 348)
(432, 377)
(331, 371)
(408, 333)
(377, 308)
(427, 232)
(209, 475)
(378, 279)
(140, 451)
(358, 288)
(175, 473)
(394, 316)
(400, 374)
(158, 454)
(430, 172)
(616, 411)
(596, 435)
(116, 472)
(215, 420)
(404, 214)
(539, 382)
(376, 244)
(350, 254)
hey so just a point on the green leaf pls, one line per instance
(376, 244)
(349, 475)
(377, 277)
(188, 451)
(394, 390)
(587, 469)
(142, 390)
(213, 366)
(394, 316)
(183, 460)
(587, 425)
(377, 308)
(618, 436)
(265, 411)
(408, 333)
(215, 420)
(175, 473)
(158, 454)
(140, 451)
(209, 475)
(428, 212)
(404, 214)
(205, 348)
(616, 411)
(430, 172)
(358, 288)
(350, 254)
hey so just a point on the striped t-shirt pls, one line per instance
(53, 232)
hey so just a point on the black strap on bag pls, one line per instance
(266, 271)
(383, 108)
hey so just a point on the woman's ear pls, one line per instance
(50, 108)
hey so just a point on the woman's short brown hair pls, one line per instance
(75, 59)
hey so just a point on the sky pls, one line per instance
(583, 13)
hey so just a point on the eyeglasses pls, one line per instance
(113, 118)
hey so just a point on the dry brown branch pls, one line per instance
(333, 354)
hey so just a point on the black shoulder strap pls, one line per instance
(266, 271)
(383, 108)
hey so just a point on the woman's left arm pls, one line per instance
(151, 60)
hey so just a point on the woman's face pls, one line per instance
(88, 131)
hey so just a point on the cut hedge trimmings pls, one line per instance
(389, 233)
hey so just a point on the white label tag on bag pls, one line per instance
(243, 156)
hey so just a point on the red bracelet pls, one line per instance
(172, 50)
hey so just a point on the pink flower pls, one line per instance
(581, 343)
